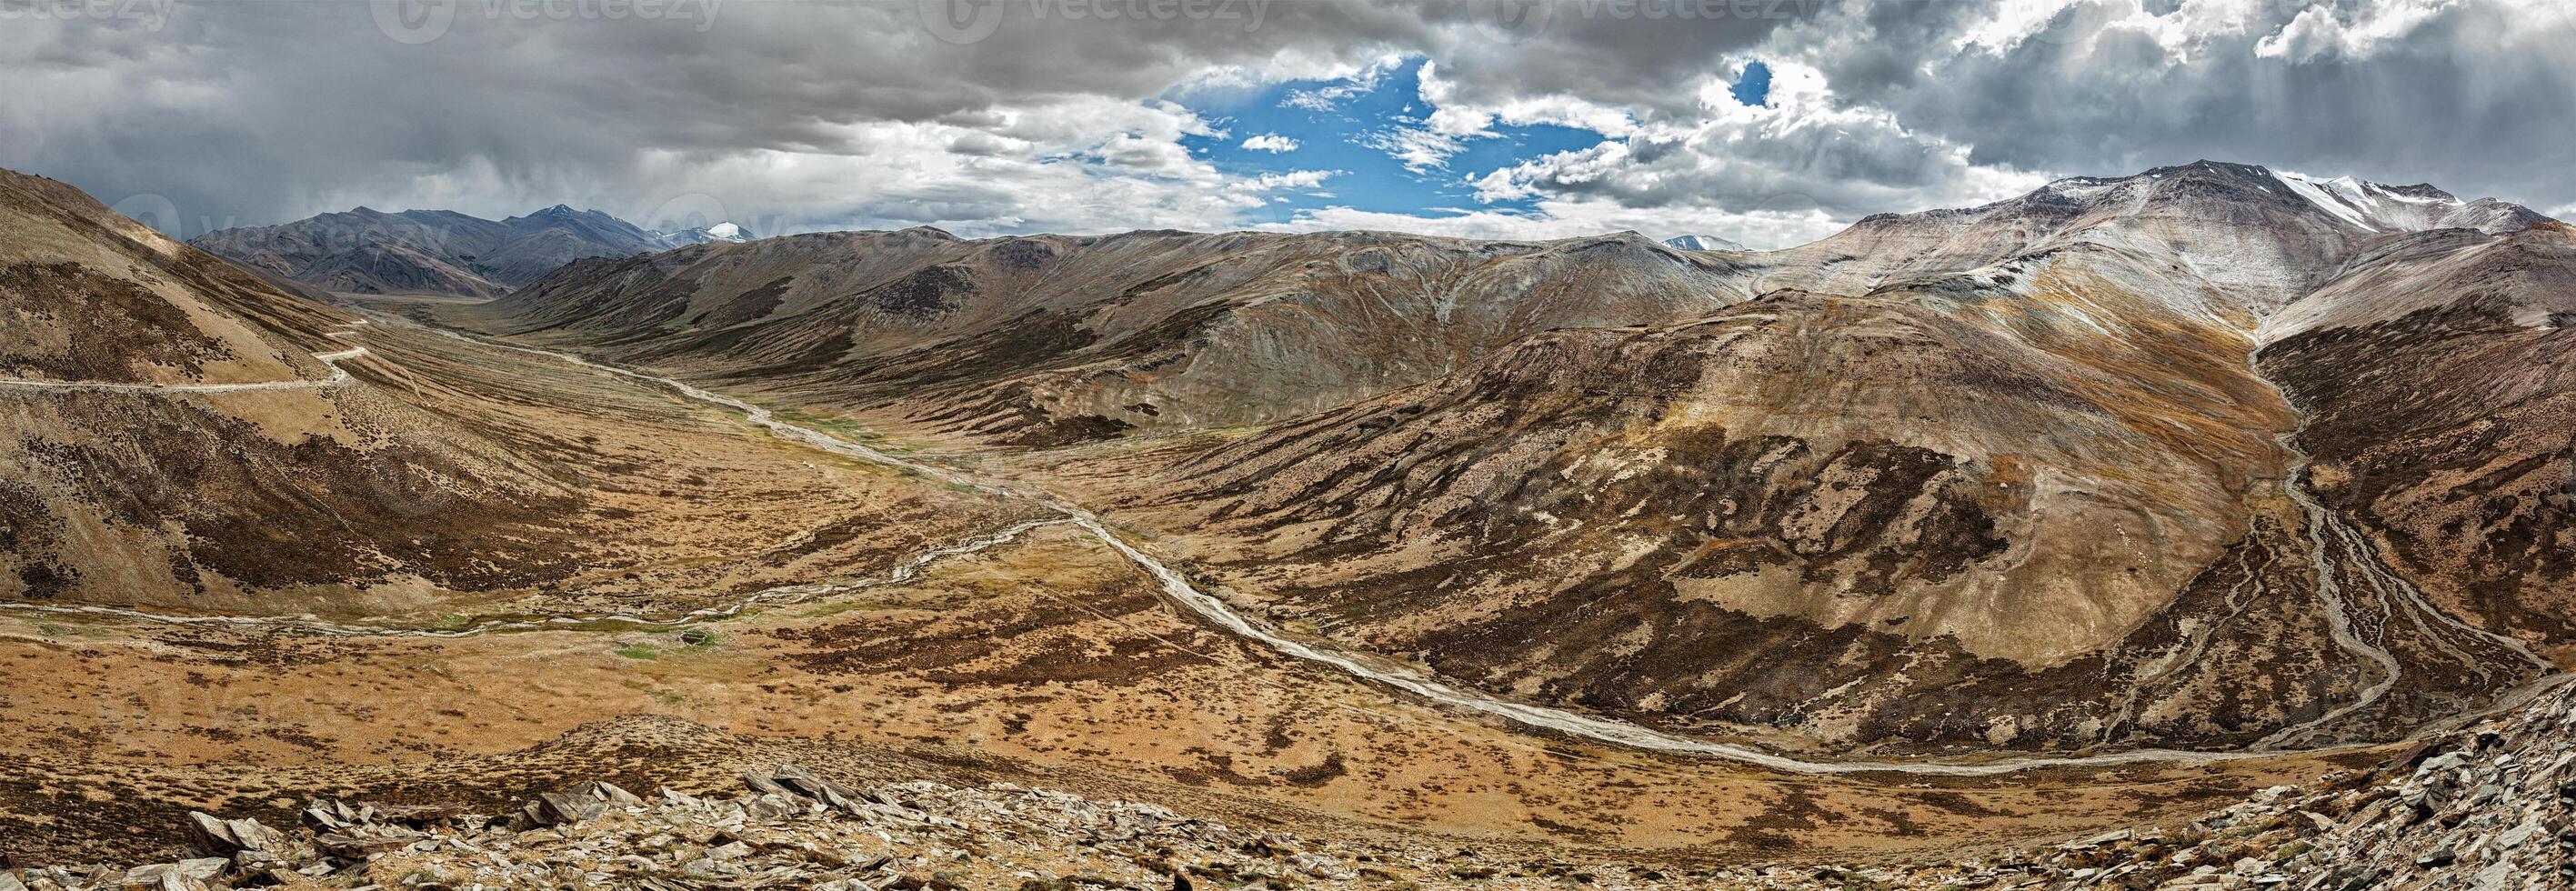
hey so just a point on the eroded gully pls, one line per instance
(2336, 547)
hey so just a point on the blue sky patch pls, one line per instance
(1352, 126)
(1753, 87)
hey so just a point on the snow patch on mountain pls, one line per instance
(725, 232)
(1701, 243)
(2338, 197)
(2375, 207)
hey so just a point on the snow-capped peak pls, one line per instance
(726, 232)
(1701, 243)
(2380, 208)
(2340, 197)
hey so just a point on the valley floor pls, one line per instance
(1046, 659)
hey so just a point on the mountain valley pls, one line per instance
(1958, 531)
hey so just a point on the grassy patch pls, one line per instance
(660, 695)
(643, 651)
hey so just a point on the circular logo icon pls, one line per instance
(695, 210)
(414, 21)
(1517, 21)
(408, 481)
(961, 21)
(151, 210)
(156, 211)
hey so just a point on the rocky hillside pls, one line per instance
(1055, 339)
(368, 251)
(2439, 380)
(2018, 485)
(177, 434)
(2267, 237)
(2486, 808)
(174, 432)
(93, 296)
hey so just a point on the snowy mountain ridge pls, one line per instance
(1702, 243)
(724, 232)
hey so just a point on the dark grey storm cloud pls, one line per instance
(1016, 115)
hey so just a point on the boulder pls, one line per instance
(564, 808)
(608, 792)
(224, 838)
(806, 783)
(762, 785)
(350, 847)
(185, 873)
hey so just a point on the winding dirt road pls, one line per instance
(337, 378)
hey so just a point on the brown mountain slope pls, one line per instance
(179, 495)
(1047, 340)
(170, 439)
(93, 296)
(1753, 519)
(2440, 385)
(1993, 476)
(2036, 502)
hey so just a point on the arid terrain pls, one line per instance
(1957, 534)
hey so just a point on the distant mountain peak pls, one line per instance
(720, 232)
(1702, 243)
(2382, 208)
(429, 251)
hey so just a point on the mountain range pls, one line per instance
(2159, 488)
(2122, 460)
(367, 251)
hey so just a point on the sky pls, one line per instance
(1767, 122)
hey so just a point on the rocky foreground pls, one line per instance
(2485, 808)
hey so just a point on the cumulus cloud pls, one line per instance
(1802, 146)
(1270, 142)
(792, 117)
(2324, 31)
(1785, 222)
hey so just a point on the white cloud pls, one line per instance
(1270, 142)
(1078, 126)
(1803, 149)
(2321, 31)
(1349, 86)
(1762, 228)
(1293, 180)
(1421, 149)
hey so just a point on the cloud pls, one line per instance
(1420, 148)
(792, 117)
(1270, 142)
(2396, 92)
(2321, 31)
(1786, 224)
